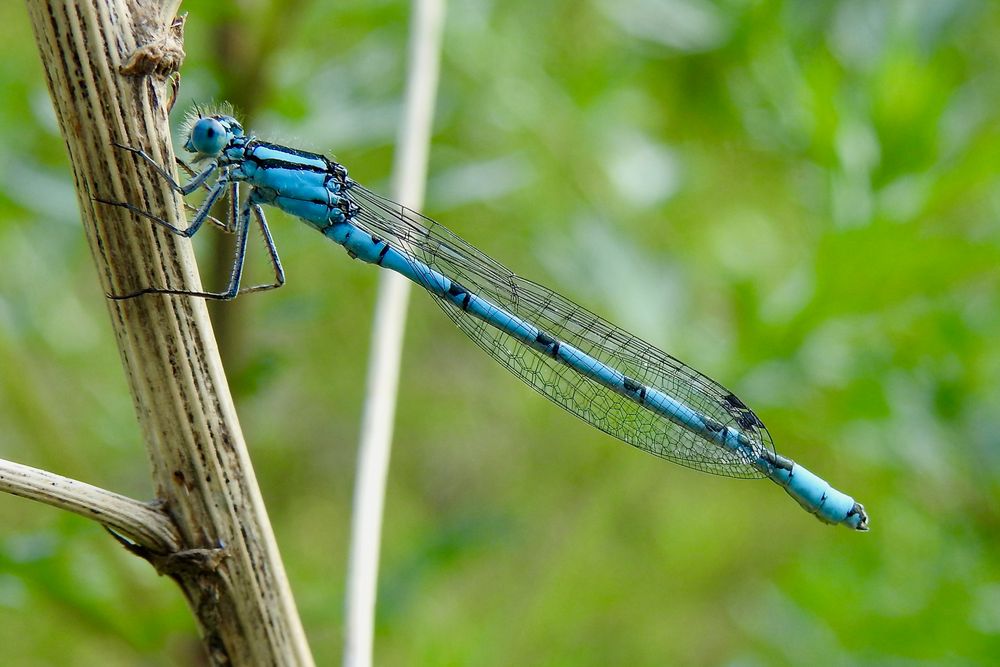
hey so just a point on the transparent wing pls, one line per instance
(419, 237)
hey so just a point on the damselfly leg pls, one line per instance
(238, 223)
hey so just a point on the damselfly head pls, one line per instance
(209, 133)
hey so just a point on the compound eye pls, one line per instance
(208, 137)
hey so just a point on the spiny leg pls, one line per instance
(242, 225)
(228, 227)
(197, 180)
(242, 231)
(234, 207)
(218, 224)
(238, 222)
(200, 216)
(239, 258)
(186, 189)
(272, 251)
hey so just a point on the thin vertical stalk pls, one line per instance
(409, 178)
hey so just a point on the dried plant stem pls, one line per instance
(146, 525)
(106, 62)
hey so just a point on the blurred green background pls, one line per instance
(799, 198)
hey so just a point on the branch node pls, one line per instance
(161, 56)
(199, 562)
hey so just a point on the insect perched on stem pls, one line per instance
(595, 370)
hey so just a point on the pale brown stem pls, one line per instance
(232, 573)
(145, 524)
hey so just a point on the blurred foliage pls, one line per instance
(799, 198)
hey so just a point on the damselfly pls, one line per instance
(595, 370)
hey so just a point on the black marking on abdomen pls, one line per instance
(631, 386)
(548, 341)
(457, 289)
(382, 253)
(712, 425)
